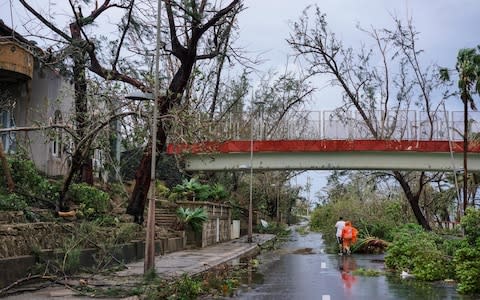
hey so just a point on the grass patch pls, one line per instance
(367, 272)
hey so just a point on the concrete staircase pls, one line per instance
(165, 217)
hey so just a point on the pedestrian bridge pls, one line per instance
(332, 141)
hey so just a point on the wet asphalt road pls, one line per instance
(294, 272)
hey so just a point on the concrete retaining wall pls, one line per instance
(218, 227)
(22, 239)
(17, 267)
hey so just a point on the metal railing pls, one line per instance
(318, 125)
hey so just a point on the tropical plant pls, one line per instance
(190, 190)
(218, 192)
(468, 68)
(191, 217)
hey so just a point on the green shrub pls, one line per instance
(12, 202)
(467, 257)
(471, 223)
(187, 288)
(467, 268)
(367, 272)
(92, 201)
(378, 218)
(416, 250)
(30, 186)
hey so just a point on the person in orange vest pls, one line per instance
(349, 236)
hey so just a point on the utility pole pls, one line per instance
(250, 203)
(149, 262)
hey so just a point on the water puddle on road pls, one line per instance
(300, 269)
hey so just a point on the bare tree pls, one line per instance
(378, 93)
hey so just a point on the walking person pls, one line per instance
(349, 236)
(339, 226)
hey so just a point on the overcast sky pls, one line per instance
(444, 25)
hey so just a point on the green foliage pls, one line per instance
(71, 257)
(193, 218)
(218, 192)
(186, 288)
(194, 190)
(468, 67)
(467, 267)
(161, 189)
(189, 190)
(416, 250)
(367, 272)
(467, 257)
(92, 201)
(377, 218)
(125, 232)
(471, 224)
(30, 186)
(12, 202)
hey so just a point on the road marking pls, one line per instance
(325, 297)
(323, 265)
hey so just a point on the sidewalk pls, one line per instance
(196, 261)
(170, 265)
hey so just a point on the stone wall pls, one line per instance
(8, 217)
(25, 238)
(218, 227)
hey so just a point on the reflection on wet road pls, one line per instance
(301, 269)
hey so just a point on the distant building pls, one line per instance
(33, 94)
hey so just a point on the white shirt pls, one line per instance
(339, 225)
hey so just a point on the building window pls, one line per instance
(57, 139)
(8, 138)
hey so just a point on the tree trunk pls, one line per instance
(79, 162)
(136, 205)
(76, 165)
(465, 151)
(177, 86)
(413, 200)
(81, 102)
(138, 199)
